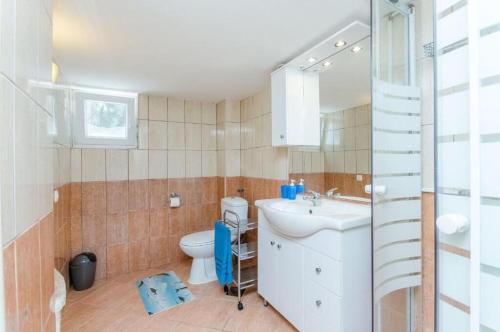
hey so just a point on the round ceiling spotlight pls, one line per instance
(340, 43)
(327, 64)
(356, 49)
(311, 60)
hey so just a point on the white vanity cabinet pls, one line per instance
(295, 107)
(319, 283)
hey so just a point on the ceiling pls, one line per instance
(204, 50)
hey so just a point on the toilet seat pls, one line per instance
(198, 239)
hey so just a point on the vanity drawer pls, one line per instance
(325, 271)
(322, 309)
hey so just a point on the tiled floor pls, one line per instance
(115, 306)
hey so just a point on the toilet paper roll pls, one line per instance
(175, 202)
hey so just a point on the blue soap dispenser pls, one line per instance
(300, 186)
(292, 190)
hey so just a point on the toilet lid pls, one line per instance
(198, 238)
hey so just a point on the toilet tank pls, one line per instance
(236, 204)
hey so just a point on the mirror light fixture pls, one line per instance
(356, 49)
(311, 60)
(327, 64)
(340, 43)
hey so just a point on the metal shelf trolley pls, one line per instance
(243, 277)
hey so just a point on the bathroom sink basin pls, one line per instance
(299, 218)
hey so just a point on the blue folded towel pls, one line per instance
(223, 254)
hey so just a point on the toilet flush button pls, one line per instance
(452, 223)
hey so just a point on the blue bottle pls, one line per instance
(292, 190)
(300, 186)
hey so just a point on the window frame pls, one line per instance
(80, 140)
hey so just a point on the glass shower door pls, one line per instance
(396, 159)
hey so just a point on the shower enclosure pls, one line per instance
(397, 167)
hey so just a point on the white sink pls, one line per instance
(299, 218)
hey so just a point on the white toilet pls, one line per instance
(200, 245)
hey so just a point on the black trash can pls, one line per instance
(82, 270)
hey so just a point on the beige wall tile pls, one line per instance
(339, 162)
(363, 137)
(349, 138)
(221, 155)
(428, 156)
(175, 110)
(220, 110)
(157, 164)
(232, 111)
(232, 135)
(208, 113)
(350, 117)
(209, 163)
(362, 115)
(350, 162)
(93, 165)
(267, 130)
(307, 162)
(157, 108)
(193, 164)
(232, 162)
(176, 164)
(338, 120)
(116, 165)
(220, 134)
(317, 162)
(193, 136)
(176, 136)
(280, 157)
(297, 164)
(267, 162)
(143, 105)
(192, 111)
(138, 164)
(209, 137)
(329, 162)
(362, 161)
(338, 140)
(76, 165)
(143, 134)
(158, 135)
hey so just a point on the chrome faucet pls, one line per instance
(332, 192)
(315, 198)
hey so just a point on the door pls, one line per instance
(267, 271)
(291, 280)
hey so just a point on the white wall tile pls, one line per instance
(26, 50)
(7, 166)
(143, 104)
(193, 164)
(193, 136)
(157, 108)
(158, 135)
(209, 163)
(158, 161)
(176, 136)
(8, 40)
(208, 113)
(192, 111)
(143, 134)
(76, 165)
(44, 165)
(176, 164)
(209, 137)
(116, 165)
(93, 165)
(175, 110)
(138, 164)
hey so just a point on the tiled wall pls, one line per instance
(28, 114)
(120, 198)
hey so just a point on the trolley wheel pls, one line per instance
(240, 306)
(266, 304)
(226, 289)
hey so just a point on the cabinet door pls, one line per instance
(291, 281)
(322, 309)
(267, 276)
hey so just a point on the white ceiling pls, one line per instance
(347, 82)
(198, 49)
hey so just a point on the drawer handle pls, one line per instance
(279, 246)
(318, 270)
(318, 303)
(272, 243)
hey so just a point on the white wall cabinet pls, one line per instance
(295, 107)
(318, 283)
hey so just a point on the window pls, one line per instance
(106, 119)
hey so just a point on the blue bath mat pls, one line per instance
(162, 291)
